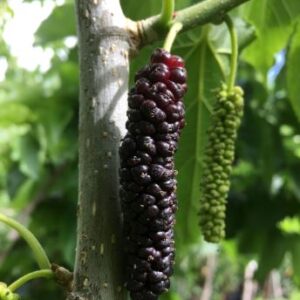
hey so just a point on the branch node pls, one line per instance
(150, 29)
(63, 277)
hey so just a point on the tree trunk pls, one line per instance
(104, 65)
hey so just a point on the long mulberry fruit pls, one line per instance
(147, 174)
(218, 158)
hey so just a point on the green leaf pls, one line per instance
(5, 9)
(273, 20)
(61, 233)
(295, 251)
(220, 36)
(26, 151)
(290, 225)
(272, 253)
(293, 63)
(170, 296)
(220, 39)
(14, 113)
(24, 194)
(133, 9)
(60, 24)
(53, 134)
(295, 295)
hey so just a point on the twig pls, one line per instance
(149, 31)
(250, 286)
(208, 285)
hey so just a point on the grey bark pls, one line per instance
(103, 51)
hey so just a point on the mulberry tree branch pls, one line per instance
(149, 30)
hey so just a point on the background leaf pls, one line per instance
(205, 75)
(60, 24)
(293, 63)
(274, 23)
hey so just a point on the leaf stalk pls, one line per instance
(47, 273)
(38, 251)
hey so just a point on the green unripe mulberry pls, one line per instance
(217, 163)
(6, 294)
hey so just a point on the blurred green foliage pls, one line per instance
(39, 149)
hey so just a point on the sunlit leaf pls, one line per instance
(59, 25)
(273, 20)
(14, 113)
(290, 225)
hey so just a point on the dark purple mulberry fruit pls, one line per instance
(160, 56)
(134, 115)
(175, 62)
(159, 73)
(147, 199)
(144, 157)
(178, 75)
(140, 174)
(147, 174)
(128, 147)
(135, 100)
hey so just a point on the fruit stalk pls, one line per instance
(234, 52)
(174, 30)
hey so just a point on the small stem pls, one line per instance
(34, 244)
(167, 11)
(176, 27)
(30, 276)
(234, 52)
(200, 13)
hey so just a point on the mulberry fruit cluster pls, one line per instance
(147, 174)
(218, 159)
